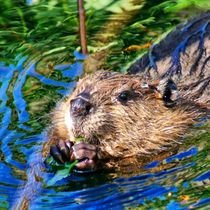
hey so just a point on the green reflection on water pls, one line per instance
(51, 27)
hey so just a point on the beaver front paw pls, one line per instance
(62, 151)
(85, 153)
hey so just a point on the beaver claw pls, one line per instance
(85, 153)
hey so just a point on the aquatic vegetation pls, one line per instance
(62, 171)
(51, 27)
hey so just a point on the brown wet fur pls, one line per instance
(164, 100)
(142, 126)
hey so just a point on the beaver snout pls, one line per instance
(80, 106)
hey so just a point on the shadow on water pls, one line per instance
(27, 93)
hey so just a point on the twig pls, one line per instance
(83, 40)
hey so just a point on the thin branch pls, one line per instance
(83, 40)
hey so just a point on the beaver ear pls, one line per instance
(167, 90)
(150, 87)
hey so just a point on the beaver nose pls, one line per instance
(80, 107)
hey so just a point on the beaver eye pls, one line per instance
(124, 96)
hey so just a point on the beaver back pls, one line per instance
(184, 56)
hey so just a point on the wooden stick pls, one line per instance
(82, 28)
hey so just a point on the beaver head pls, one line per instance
(124, 114)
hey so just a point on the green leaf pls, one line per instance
(61, 174)
(79, 139)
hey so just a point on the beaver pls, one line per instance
(124, 117)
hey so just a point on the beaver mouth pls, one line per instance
(94, 140)
(88, 139)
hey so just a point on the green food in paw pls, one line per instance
(79, 139)
(62, 173)
(62, 170)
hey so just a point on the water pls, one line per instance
(40, 63)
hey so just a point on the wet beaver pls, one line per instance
(123, 117)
